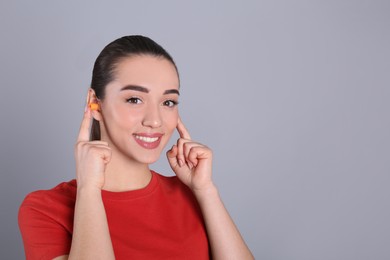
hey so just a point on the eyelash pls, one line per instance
(132, 99)
(173, 103)
(168, 103)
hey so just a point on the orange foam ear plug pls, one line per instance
(93, 106)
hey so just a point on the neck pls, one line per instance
(123, 174)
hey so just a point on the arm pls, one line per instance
(192, 163)
(91, 238)
(225, 239)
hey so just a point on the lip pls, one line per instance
(148, 140)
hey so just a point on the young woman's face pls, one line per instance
(139, 111)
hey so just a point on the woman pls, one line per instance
(117, 208)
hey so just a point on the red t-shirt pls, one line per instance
(160, 221)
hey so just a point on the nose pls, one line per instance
(152, 117)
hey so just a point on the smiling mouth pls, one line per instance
(147, 139)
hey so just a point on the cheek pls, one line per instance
(171, 121)
(122, 117)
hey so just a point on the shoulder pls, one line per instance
(46, 221)
(178, 198)
(63, 191)
(169, 182)
(56, 199)
(171, 185)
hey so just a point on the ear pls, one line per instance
(94, 104)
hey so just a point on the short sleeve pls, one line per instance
(46, 225)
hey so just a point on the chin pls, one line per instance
(148, 159)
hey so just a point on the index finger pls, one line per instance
(84, 132)
(183, 132)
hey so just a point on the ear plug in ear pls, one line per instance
(94, 106)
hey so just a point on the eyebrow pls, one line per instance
(145, 90)
(172, 91)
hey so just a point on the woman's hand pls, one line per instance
(191, 161)
(91, 156)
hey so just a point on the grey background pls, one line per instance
(292, 96)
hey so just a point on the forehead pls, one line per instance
(147, 71)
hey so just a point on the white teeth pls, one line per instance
(147, 139)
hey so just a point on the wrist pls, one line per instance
(206, 192)
(91, 190)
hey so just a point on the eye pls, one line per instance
(134, 100)
(170, 103)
